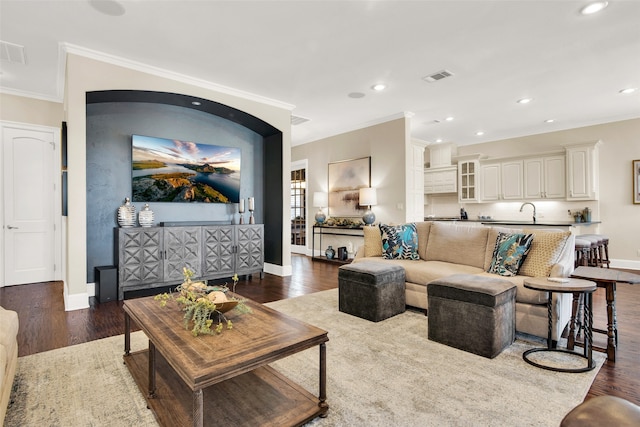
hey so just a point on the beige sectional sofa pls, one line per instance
(8, 357)
(447, 248)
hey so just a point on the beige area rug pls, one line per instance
(379, 374)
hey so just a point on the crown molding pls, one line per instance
(27, 94)
(385, 119)
(67, 48)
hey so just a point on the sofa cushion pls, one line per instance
(523, 295)
(546, 250)
(423, 228)
(492, 235)
(372, 242)
(399, 241)
(458, 244)
(425, 272)
(510, 251)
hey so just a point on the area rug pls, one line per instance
(378, 374)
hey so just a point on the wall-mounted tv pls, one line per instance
(169, 170)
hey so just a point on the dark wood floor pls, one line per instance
(44, 325)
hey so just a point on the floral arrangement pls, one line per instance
(203, 305)
(343, 222)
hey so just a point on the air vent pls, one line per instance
(438, 76)
(11, 52)
(297, 120)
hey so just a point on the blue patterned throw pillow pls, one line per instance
(509, 253)
(399, 241)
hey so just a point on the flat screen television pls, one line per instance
(169, 170)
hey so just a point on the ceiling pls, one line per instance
(321, 58)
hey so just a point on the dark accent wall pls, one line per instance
(110, 124)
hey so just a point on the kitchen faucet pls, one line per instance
(534, 209)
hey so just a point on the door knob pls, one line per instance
(12, 228)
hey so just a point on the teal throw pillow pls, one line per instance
(399, 241)
(509, 253)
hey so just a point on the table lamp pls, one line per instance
(320, 200)
(368, 197)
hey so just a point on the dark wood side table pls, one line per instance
(574, 286)
(607, 278)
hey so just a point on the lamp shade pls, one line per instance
(320, 199)
(368, 197)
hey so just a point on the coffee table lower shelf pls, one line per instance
(261, 397)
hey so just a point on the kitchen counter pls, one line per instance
(550, 223)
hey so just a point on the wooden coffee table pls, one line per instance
(223, 379)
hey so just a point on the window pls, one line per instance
(298, 206)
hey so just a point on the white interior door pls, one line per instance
(29, 202)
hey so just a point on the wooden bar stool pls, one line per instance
(594, 253)
(582, 249)
(602, 249)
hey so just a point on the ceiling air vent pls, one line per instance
(438, 76)
(12, 52)
(297, 120)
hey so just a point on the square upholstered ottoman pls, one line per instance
(472, 313)
(371, 290)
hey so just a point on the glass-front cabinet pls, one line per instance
(468, 180)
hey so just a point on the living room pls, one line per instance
(88, 71)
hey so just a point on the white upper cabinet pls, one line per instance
(544, 178)
(582, 171)
(443, 180)
(468, 181)
(502, 181)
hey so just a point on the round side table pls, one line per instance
(573, 286)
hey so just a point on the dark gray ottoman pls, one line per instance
(472, 313)
(371, 290)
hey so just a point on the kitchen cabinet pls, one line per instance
(502, 181)
(150, 257)
(582, 171)
(544, 178)
(468, 181)
(442, 180)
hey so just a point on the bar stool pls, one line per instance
(583, 249)
(594, 253)
(602, 250)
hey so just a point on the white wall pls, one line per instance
(86, 75)
(385, 143)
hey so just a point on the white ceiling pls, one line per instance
(313, 54)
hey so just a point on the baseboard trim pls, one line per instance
(625, 263)
(75, 301)
(278, 270)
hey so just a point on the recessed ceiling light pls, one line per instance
(450, 118)
(549, 121)
(594, 7)
(108, 7)
(379, 86)
(196, 103)
(524, 100)
(628, 90)
(439, 140)
(479, 133)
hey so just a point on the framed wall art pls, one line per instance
(636, 181)
(346, 177)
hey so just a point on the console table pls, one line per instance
(150, 257)
(321, 230)
(607, 278)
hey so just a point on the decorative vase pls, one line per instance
(145, 216)
(127, 214)
(330, 253)
(320, 216)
